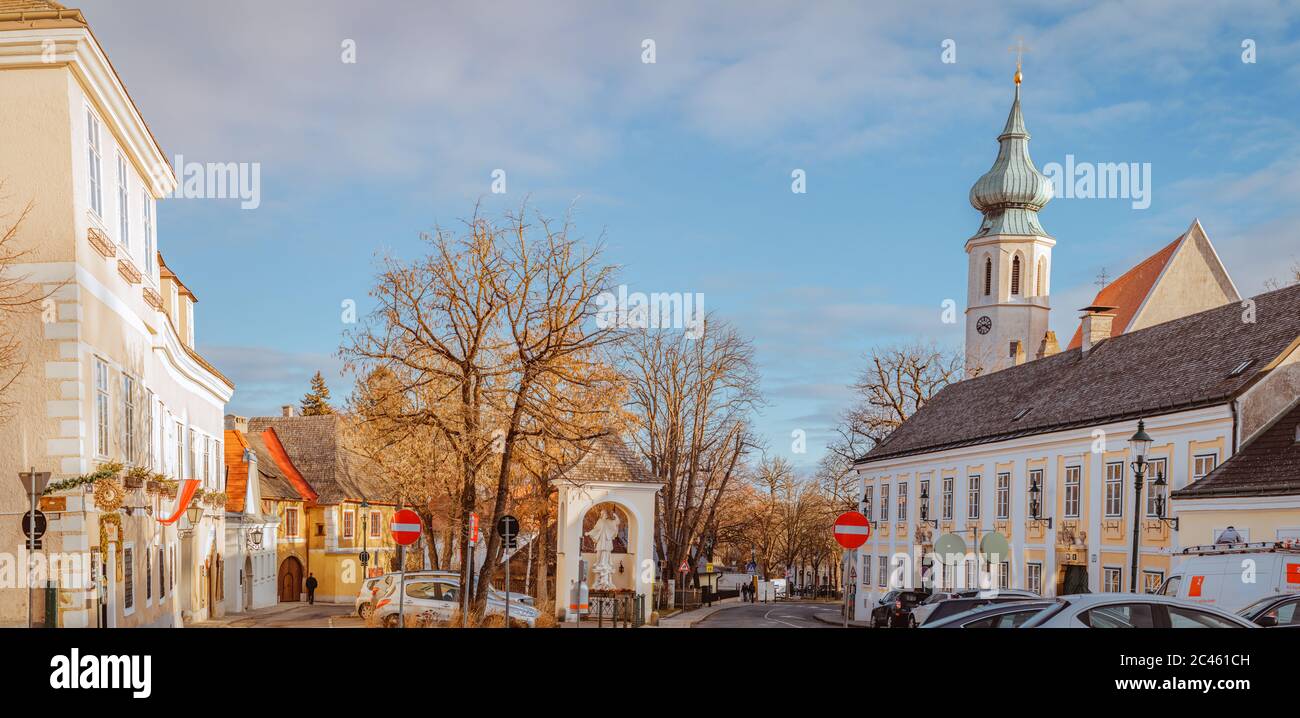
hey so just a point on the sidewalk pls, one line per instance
(839, 621)
(686, 619)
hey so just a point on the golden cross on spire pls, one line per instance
(1020, 51)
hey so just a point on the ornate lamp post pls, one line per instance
(1160, 484)
(194, 514)
(925, 508)
(365, 539)
(1140, 443)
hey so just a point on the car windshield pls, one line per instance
(1029, 609)
(1256, 607)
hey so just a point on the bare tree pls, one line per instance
(693, 395)
(18, 298)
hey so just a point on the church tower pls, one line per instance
(1010, 257)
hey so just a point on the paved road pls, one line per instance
(298, 615)
(771, 615)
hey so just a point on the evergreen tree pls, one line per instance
(317, 401)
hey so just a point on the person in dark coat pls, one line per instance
(311, 588)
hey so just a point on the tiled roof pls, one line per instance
(1128, 292)
(315, 445)
(1180, 364)
(274, 483)
(33, 10)
(1267, 466)
(608, 459)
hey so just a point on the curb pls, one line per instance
(838, 621)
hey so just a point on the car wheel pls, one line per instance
(390, 621)
(365, 611)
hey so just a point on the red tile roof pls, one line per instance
(1128, 292)
(282, 460)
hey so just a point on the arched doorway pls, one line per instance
(290, 580)
(246, 578)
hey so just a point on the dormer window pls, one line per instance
(1015, 276)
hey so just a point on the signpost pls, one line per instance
(467, 589)
(682, 570)
(405, 528)
(852, 529)
(34, 484)
(508, 530)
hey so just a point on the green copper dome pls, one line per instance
(1010, 194)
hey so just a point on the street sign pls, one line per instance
(508, 529)
(405, 527)
(365, 558)
(683, 568)
(38, 530)
(852, 529)
(473, 529)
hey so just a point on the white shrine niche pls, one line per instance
(608, 524)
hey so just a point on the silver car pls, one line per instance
(1132, 610)
(432, 599)
(994, 615)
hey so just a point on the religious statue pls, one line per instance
(602, 534)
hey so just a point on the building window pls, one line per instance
(94, 168)
(868, 495)
(972, 580)
(128, 578)
(1072, 488)
(291, 522)
(1004, 495)
(924, 504)
(162, 574)
(902, 501)
(128, 419)
(1034, 578)
(376, 524)
(1155, 469)
(148, 579)
(988, 276)
(147, 422)
(349, 524)
(1151, 580)
(1004, 575)
(1015, 275)
(101, 409)
(884, 502)
(884, 571)
(195, 471)
(1203, 464)
(1038, 281)
(123, 204)
(180, 450)
(1115, 489)
(973, 498)
(866, 569)
(207, 461)
(1110, 580)
(146, 214)
(947, 498)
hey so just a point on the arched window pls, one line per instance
(1038, 281)
(988, 276)
(1015, 275)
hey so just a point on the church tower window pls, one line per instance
(988, 276)
(1038, 279)
(1015, 275)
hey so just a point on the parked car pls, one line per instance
(942, 605)
(1280, 610)
(1132, 610)
(1011, 614)
(1214, 575)
(366, 597)
(386, 583)
(429, 599)
(894, 609)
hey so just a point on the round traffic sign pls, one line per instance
(852, 529)
(950, 548)
(38, 529)
(994, 547)
(405, 527)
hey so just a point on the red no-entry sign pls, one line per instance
(405, 527)
(852, 529)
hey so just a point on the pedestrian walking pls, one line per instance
(311, 589)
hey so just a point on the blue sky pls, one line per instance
(683, 166)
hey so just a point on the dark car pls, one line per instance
(1280, 610)
(894, 609)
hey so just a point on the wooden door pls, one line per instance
(290, 580)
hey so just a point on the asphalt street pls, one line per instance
(772, 615)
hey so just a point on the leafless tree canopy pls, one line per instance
(18, 298)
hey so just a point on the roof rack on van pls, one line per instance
(1243, 547)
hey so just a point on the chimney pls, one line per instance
(1049, 346)
(287, 409)
(1097, 325)
(237, 423)
(1017, 353)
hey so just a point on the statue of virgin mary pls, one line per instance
(602, 534)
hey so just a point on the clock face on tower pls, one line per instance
(983, 325)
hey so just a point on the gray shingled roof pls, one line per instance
(1267, 466)
(1182, 364)
(318, 452)
(608, 459)
(274, 484)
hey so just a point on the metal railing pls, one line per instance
(620, 610)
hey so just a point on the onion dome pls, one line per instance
(1010, 194)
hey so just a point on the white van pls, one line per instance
(1232, 576)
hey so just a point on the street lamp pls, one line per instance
(255, 538)
(194, 514)
(1140, 444)
(1160, 501)
(1036, 505)
(925, 508)
(365, 538)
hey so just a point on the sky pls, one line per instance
(682, 167)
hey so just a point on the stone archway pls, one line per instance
(622, 559)
(289, 580)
